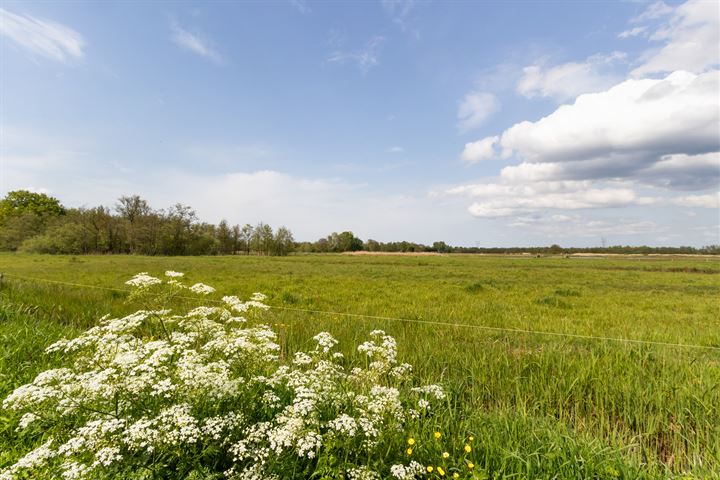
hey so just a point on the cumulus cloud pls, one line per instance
(711, 200)
(659, 135)
(475, 108)
(691, 38)
(684, 172)
(42, 37)
(364, 58)
(568, 80)
(503, 199)
(484, 149)
(624, 129)
(194, 43)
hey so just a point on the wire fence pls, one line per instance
(396, 319)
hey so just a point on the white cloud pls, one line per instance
(42, 37)
(194, 43)
(606, 147)
(632, 32)
(711, 200)
(484, 149)
(475, 109)
(364, 58)
(494, 200)
(624, 129)
(654, 11)
(568, 80)
(691, 36)
(395, 149)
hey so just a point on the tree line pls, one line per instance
(35, 222)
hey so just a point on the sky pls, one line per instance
(490, 123)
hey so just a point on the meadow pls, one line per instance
(540, 405)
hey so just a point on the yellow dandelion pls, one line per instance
(468, 448)
(437, 434)
(409, 451)
(456, 475)
(471, 438)
(429, 469)
(445, 455)
(471, 465)
(441, 471)
(411, 441)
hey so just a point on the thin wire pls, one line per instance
(405, 320)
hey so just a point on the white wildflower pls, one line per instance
(202, 289)
(325, 341)
(143, 280)
(173, 274)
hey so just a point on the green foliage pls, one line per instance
(18, 202)
(32, 224)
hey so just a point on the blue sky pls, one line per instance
(488, 123)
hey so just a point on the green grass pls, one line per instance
(541, 406)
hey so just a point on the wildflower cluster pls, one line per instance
(157, 394)
(440, 458)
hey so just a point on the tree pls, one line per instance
(177, 229)
(372, 245)
(283, 242)
(246, 236)
(236, 239)
(136, 211)
(224, 238)
(18, 202)
(441, 247)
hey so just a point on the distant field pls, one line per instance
(539, 403)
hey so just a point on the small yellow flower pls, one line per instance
(471, 438)
(468, 448)
(437, 434)
(445, 455)
(429, 469)
(411, 441)
(441, 471)
(456, 475)
(409, 451)
(471, 465)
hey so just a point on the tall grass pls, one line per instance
(541, 406)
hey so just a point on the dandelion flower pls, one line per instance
(456, 475)
(429, 468)
(437, 434)
(441, 471)
(471, 438)
(409, 451)
(411, 441)
(446, 455)
(471, 465)
(468, 448)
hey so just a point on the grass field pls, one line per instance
(541, 406)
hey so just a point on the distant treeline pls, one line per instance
(35, 222)
(346, 241)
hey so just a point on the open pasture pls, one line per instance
(541, 406)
